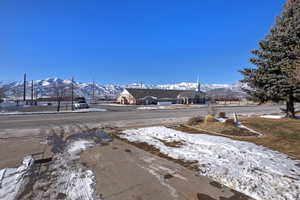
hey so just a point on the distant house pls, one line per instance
(140, 96)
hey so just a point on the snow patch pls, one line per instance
(153, 107)
(78, 146)
(273, 116)
(248, 168)
(55, 112)
(74, 181)
(91, 110)
(12, 179)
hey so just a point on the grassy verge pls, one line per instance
(281, 135)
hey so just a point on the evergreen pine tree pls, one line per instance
(277, 60)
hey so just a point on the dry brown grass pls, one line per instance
(195, 120)
(175, 144)
(209, 119)
(224, 129)
(282, 135)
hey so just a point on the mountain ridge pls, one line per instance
(44, 86)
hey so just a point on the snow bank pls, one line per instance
(253, 170)
(153, 107)
(91, 110)
(273, 116)
(12, 179)
(74, 181)
(55, 112)
(115, 104)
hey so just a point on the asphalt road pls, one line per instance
(120, 115)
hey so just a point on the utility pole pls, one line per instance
(36, 95)
(24, 91)
(31, 92)
(72, 93)
(94, 91)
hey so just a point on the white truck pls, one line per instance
(81, 105)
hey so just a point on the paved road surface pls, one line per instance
(128, 173)
(44, 120)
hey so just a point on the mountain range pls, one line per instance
(43, 88)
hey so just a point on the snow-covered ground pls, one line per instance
(168, 107)
(12, 180)
(253, 170)
(273, 116)
(276, 117)
(154, 107)
(74, 182)
(115, 104)
(55, 112)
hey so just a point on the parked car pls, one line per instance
(81, 105)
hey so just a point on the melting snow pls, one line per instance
(153, 107)
(55, 112)
(74, 181)
(12, 179)
(273, 116)
(78, 146)
(253, 170)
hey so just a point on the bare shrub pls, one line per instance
(210, 118)
(229, 122)
(195, 120)
(222, 114)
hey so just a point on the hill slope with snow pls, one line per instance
(45, 88)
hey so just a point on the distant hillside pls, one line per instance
(15, 89)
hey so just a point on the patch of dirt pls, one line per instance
(175, 144)
(201, 196)
(168, 176)
(236, 196)
(61, 196)
(216, 184)
(225, 129)
(236, 131)
(128, 150)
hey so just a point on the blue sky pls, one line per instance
(127, 41)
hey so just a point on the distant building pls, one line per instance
(159, 96)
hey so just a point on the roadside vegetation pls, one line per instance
(277, 60)
(281, 135)
(224, 129)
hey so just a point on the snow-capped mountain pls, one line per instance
(44, 87)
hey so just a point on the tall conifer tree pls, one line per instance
(277, 60)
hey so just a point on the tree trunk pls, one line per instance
(58, 106)
(290, 107)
